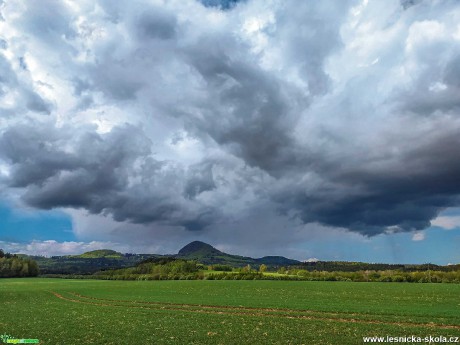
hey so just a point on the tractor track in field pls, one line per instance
(243, 308)
(207, 306)
(242, 311)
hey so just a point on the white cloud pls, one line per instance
(447, 222)
(311, 260)
(418, 236)
(52, 247)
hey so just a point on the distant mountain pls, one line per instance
(277, 261)
(208, 255)
(89, 262)
(105, 259)
(101, 253)
(198, 249)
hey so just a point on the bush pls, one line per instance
(223, 268)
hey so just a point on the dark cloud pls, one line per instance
(451, 73)
(199, 180)
(338, 113)
(8, 76)
(307, 34)
(36, 103)
(437, 89)
(62, 167)
(117, 81)
(12, 86)
(247, 111)
(409, 3)
(157, 25)
(222, 4)
(402, 193)
(49, 21)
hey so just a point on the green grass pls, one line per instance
(223, 312)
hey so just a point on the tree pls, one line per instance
(33, 268)
(246, 268)
(262, 268)
(13, 266)
(24, 269)
(16, 267)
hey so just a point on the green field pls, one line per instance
(223, 312)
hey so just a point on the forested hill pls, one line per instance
(346, 266)
(203, 253)
(89, 262)
(206, 254)
(103, 259)
(15, 266)
(101, 253)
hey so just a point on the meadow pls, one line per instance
(65, 311)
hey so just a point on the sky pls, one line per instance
(322, 130)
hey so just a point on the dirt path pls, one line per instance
(242, 311)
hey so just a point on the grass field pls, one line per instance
(223, 312)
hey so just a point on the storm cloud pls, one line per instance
(195, 115)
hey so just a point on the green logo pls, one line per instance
(5, 337)
(8, 339)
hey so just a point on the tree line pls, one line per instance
(344, 266)
(179, 269)
(399, 275)
(13, 266)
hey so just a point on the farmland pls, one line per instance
(223, 312)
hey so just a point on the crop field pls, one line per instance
(223, 312)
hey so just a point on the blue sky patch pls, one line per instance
(24, 226)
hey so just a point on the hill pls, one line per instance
(105, 259)
(101, 253)
(89, 262)
(208, 255)
(277, 261)
(197, 248)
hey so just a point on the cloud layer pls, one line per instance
(177, 114)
